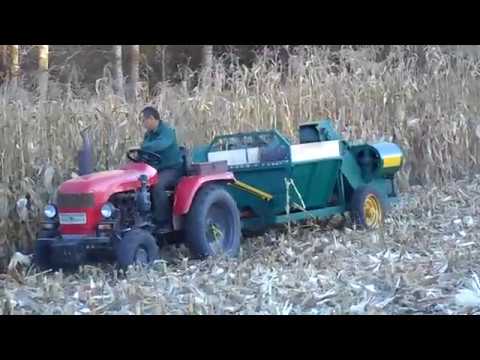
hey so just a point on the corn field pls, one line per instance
(431, 114)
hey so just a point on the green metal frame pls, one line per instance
(314, 177)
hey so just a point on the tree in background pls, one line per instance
(3, 61)
(43, 71)
(14, 63)
(134, 69)
(159, 63)
(207, 56)
(163, 61)
(117, 71)
(207, 61)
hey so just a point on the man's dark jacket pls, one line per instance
(163, 141)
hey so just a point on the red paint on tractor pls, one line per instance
(103, 185)
(188, 187)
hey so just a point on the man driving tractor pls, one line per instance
(161, 139)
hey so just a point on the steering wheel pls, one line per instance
(142, 155)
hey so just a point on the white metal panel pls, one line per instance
(316, 151)
(235, 157)
(253, 156)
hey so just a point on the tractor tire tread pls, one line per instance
(204, 198)
(127, 246)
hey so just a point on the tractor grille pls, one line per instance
(75, 201)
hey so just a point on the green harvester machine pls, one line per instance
(323, 175)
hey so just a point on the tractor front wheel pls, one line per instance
(137, 247)
(367, 208)
(213, 224)
(41, 256)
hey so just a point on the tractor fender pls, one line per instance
(188, 187)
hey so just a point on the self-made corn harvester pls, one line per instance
(239, 183)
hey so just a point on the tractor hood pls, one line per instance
(105, 183)
(83, 197)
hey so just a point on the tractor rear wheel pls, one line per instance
(367, 207)
(213, 224)
(137, 247)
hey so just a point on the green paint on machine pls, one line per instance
(325, 171)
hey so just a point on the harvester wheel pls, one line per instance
(136, 247)
(213, 224)
(367, 207)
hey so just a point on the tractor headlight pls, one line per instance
(50, 211)
(107, 210)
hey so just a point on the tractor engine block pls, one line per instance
(125, 202)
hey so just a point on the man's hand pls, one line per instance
(142, 155)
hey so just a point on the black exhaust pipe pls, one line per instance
(85, 155)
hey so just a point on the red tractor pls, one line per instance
(109, 215)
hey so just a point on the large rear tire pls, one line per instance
(213, 224)
(137, 247)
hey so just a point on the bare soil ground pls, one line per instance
(425, 261)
